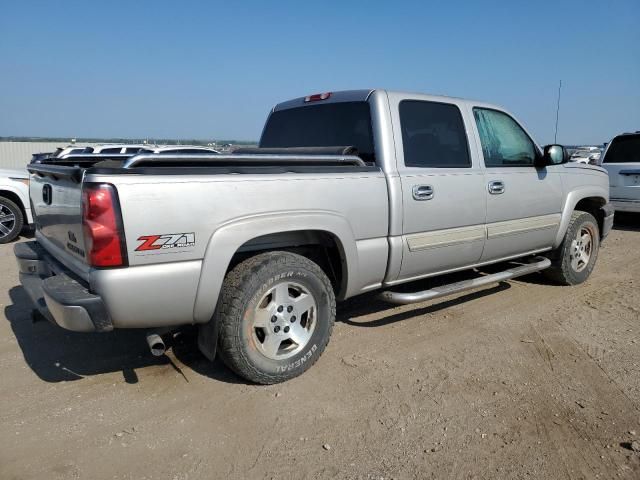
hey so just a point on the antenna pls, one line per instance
(555, 137)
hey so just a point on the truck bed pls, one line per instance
(231, 201)
(297, 156)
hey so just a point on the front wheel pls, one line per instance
(276, 312)
(578, 252)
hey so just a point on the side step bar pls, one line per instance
(405, 298)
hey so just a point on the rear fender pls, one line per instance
(229, 237)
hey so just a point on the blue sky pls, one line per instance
(214, 69)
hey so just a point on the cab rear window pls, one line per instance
(327, 125)
(623, 149)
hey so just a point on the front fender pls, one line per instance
(229, 237)
(573, 197)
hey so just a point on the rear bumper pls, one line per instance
(57, 294)
(626, 205)
(607, 223)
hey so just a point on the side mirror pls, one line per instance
(554, 155)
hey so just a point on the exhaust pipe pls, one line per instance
(156, 344)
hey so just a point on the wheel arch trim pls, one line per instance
(572, 200)
(228, 238)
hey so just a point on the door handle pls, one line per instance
(422, 192)
(496, 187)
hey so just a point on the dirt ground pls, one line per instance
(521, 380)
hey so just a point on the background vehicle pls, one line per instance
(38, 157)
(121, 150)
(115, 148)
(255, 247)
(590, 155)
(180, 150)
(621, 159)
(15, 211)
(72, 150)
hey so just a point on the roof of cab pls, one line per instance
(363, 95)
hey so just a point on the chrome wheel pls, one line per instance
(581, 249)
(7, 221)
(284, 320)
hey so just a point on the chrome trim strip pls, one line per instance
(445, 238)
(522, 225)
(454, 236)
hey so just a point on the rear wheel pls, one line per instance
(11, 220)
(276, 312)
(578, 252)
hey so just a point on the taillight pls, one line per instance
(316, 97)
(102, 226)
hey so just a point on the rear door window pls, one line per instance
(433, 135)
(623, 149)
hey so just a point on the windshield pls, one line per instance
(624, 149)
(329, 125)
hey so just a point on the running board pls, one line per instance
(405, 298)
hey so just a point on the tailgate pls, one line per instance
(56, 198)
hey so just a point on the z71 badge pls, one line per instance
(168, 240)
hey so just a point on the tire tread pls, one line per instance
(230, 307)
(19, 220)
(560, 270)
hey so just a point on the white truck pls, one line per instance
(348, 192)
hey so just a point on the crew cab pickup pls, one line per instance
(348, 192)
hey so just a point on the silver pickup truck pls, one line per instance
(348, 192)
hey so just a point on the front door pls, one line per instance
(524, 204)
(442, 189)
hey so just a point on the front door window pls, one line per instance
(504, 142)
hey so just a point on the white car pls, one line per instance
(587, 155)
(622, 160)
(71, 150)
(15, 209)
(129, 149)
(118, 149)
(181, 149)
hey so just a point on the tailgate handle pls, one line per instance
(47, 194)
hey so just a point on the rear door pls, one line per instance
(622, 161)
(442, 187)
(524, 204)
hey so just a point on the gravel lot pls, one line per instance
(521, 380)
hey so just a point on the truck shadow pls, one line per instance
(58, 355)
(351, 311)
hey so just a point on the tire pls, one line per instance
(575, 258)
(276, 312)
(11, 220)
